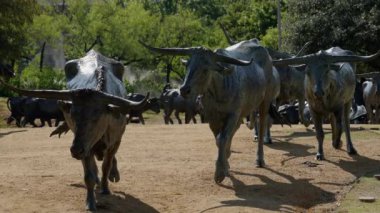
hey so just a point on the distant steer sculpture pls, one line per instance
(172, 101)
(329, 89)
(235, 82)
(94, 108)
(371, 95)
(152, 104)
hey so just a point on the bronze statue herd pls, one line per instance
(226, 86)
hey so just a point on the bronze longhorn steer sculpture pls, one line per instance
(291, 78)
(371, 95)
(329, 89)
(234, 82)
(94, 108)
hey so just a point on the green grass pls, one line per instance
(366, 186)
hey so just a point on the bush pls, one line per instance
(47, 78)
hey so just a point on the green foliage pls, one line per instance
(350, 24)
(14, 16)
(114, 27)
(48, 78)
(270, 39)
(247, 19)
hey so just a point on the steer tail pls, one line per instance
(277, 116)
(63, 128)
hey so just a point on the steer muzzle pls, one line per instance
(77, 151)
(318, 92)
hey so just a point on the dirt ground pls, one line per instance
(170, 169)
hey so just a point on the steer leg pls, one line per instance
(114, 175)
(336, 124)
(90, 178)
(346, 122)
(56, 122)
(194, 119)
(187, 117)
(267, 137)
(223, 141)
(377, 115)
(49, 122)
(141, 118)
(128, 119)
(370, 114)
(108, 161)
(167, 114)
(301, 107)
(263, 112)
(318, 121)
(176, 114)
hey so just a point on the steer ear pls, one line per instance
(115, 110)
(223, 69)
(71, 69)
(64, 106)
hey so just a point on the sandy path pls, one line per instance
(170, 169)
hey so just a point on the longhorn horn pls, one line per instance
(306, 45)
(293, 61)
(230, 40)
(368, 75)
(69, 94)
(169, 51)
(351, 58)
(229, 60)
(48, 94)
(121, 102)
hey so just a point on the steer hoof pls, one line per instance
(337, 144)
(105, 191)
(219, 176)
(114, 175)
(352, 151)
(260, 163)
(221, 173)
(320, 156)
(267, 141)
(91, 205)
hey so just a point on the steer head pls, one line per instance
(375, 78)
(319, 65)
(201, 66)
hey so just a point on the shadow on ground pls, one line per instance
(118, 201)
(2, 134)
(282, 196)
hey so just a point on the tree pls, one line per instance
(14, 16)
(350, 24)
(247, 19)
